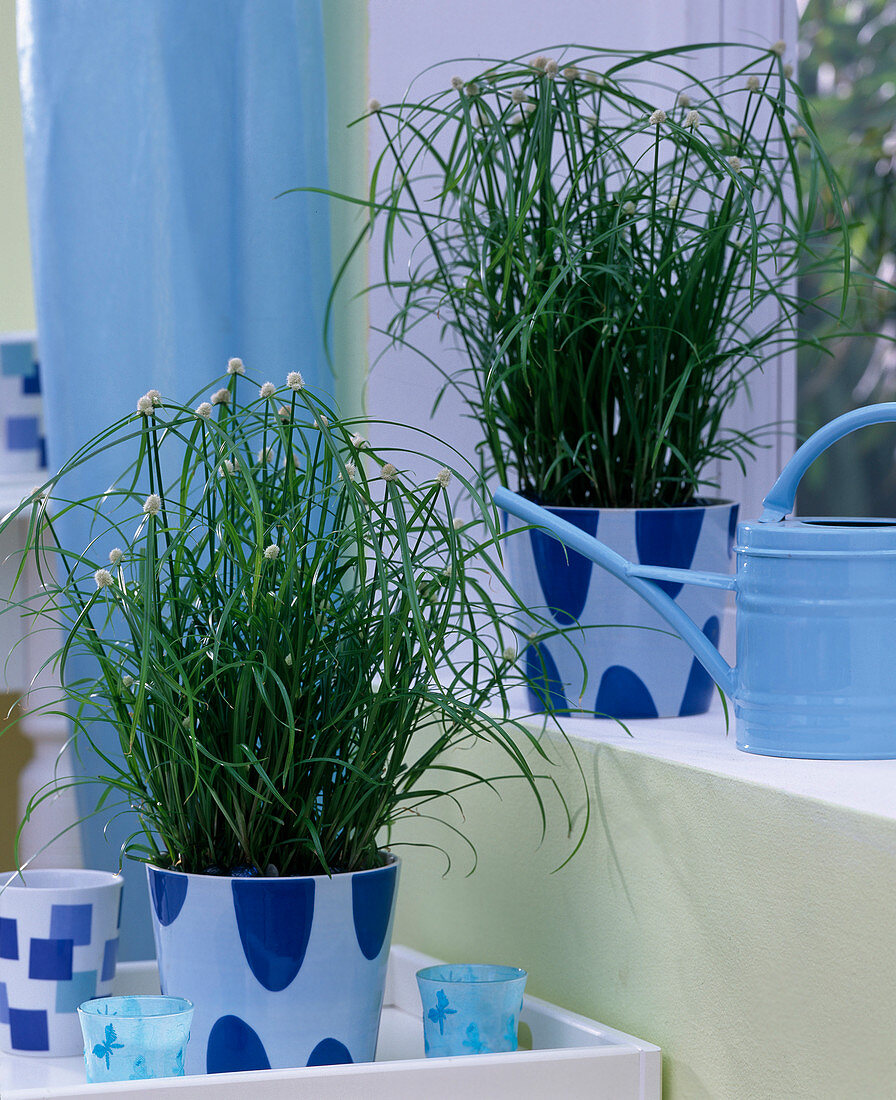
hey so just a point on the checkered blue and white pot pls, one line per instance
(58, 948)
(22, 437)
(281, 971)
(635, 667)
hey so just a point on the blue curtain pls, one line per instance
(158, 136)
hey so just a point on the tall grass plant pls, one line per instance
(612, 242)
(273, 612)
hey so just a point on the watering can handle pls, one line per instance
(779, 501)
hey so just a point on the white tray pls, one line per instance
(572, 1057)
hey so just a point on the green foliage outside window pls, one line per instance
(848, 71)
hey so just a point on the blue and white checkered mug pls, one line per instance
(58, 948)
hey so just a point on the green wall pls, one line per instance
(16, 297)
(745, 931)
(345, 35)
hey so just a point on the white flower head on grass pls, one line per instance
(351, 469)
(373, 106)
(389, 472)
(595, 78)
(235, 366)
(551, 68)
(153, 504)
(517, 95)
(673, 202)
(145, 405)
(571, 72)
(779, 47)
(265, 455)
(736, 164)
(221, 397)
(457, 523)
(115, 555)
(788, 70)
(272, 552)
(752, 83)
(683, 99)
(443, 477)
(539, 62)
(472, 88)
(229, 466)
(284, 413)
(322, 422)
(287, 660)
(154, 396)
(127, 681)
(457, 82)
(268, 389)
(204, 411)
(103, 578)
(628, 208)
(509, 654)
(295, 381)
(658, 116)
(357, 440)
(692, 120)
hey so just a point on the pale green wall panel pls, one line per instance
(747, 932)
(346, 35)
(16, 294)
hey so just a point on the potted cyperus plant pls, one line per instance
(274, 611)
(612, 243)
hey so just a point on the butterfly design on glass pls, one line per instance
(438, 1014)
(140, 1071)
(104, 1049)
(473, 1041)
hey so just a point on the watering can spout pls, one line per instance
(639, 578)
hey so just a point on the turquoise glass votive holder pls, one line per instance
(470, 1008)
(134, 1038)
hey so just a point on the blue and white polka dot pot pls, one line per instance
(631, 673)
(281, 971)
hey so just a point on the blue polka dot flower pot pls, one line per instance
(632, 672)
(282, 972)
(58, 947)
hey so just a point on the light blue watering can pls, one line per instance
(816, 616)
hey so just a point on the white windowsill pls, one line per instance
(867, 786)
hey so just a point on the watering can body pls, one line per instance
(816, 617)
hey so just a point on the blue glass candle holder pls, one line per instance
(133, 1038)
(470, 1008)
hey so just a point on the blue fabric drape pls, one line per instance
(157, 137)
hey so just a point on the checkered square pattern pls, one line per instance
(22, 433)
(71, 922)
(58, 949)
(17, 358)
(110, 957)
(80, 989)
(22, 439)
(28, 1029)
(9, 938)
(50, 960)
